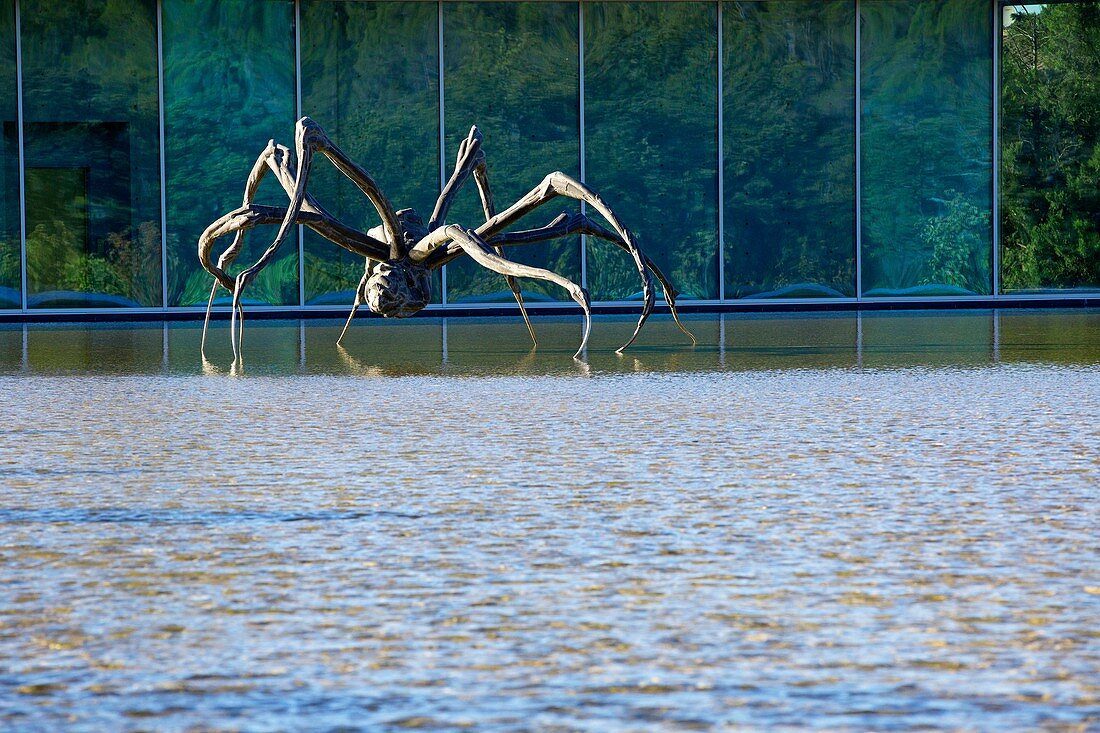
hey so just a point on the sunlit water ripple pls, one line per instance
(846, 547)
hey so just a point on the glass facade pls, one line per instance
(789, 104)
(927, 129)
(11, 268)
(92, 153)
(229, 86)
(763, 149)
(526, 107)
(1050, 147)
(651, 132)
(370, 78)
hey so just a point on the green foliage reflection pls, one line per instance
(956, 244)
(651, 84)
(91, 132)
(789, 129)
(229, 87)
(370, 78)
(927, 126)
(10, 269)
(513, 69)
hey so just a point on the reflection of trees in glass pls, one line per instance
(10, 269)
(651, 140)
(959, 251)
(92, 147)
(1050, 148)
(789, 114)
(370, 78)
(927, 81)
(512, 69)
(228, 88)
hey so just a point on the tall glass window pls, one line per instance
(788, 99)
(927, 82)
(1050, 147)
(513, 70)
(229, 87)
(92, 152)
(370, 78)
(651, 90)
(11, 275)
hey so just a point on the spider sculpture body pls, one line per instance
(402, 251)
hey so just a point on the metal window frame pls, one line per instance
(163, 163)
(298, 116)
(24, 285)
(997, 35)
(582, 168)
(721, 166)
(442, 137)
(859, 151)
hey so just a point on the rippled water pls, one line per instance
(831, 522)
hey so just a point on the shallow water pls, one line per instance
(877, 523)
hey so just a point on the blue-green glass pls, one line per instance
(1050, 147)
(370, 78)
(92, 152)
(512, 69)
(229, 87)
(651, 90)
(927, 90)
(11, 275)
(788, 96)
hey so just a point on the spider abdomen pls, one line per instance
(398, 288)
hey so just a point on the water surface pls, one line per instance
(828, 522)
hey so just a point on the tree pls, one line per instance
(1051, 148)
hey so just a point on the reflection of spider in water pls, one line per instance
(401, 253)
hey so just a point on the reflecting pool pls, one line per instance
(831, 521)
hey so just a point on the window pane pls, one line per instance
(651, 90)
(512, 69)
(229, 87)
(10, 268)
(92, 153)
(926, 147)
(789, 112)
(370, 78)
(1050, 147)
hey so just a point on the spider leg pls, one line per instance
(471, 161)
(469, 154)
(259, 168)
(310, 130)
(248, 217)
(310, 139)
(481, 179)
(275, 158)
(554, 185)
(565, 225)
(254, 215)
(483, 254)
(360, 296)
(354, 309)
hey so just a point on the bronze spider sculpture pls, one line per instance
(401, 252)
